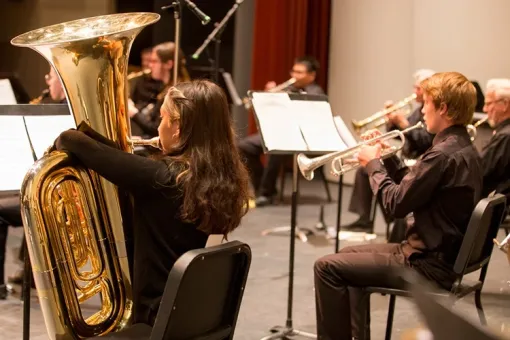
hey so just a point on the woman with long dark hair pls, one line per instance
(197, 187)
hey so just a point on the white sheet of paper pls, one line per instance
(279, 127)
(15, 153)
(344, 132)
(43, 130)
(317, 125)
(7, 96)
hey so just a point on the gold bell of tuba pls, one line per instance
(75, 221)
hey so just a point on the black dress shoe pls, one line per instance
(263, 201)
(359, 225)
(3, 292)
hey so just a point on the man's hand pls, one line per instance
(399, 119)
(269, 85)
(368, 153)
(369, 134)
(132, 110)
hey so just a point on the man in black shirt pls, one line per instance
(417, 142)
(496, 154)
(264, 179)
(441, 190)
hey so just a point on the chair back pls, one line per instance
(203, 294)
(477, 245)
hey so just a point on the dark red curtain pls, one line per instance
(284, 30)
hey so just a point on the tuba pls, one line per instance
(74, 220)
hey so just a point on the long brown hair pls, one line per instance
(206, 161)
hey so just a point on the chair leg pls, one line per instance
(389, 322)
(326, 186)
(479, 307)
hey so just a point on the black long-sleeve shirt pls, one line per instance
(160, 236)
(418, 140)
(440, 190)
(496, 161)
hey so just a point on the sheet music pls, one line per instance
(278, 123)
(317, 125)
(15, 153)
(43, 130)
(344, 132)
(7, 96)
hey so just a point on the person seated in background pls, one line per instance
(496, 154)
(178, 197)
(10, 209)
(441, 191)
(263, 179)
(144, 114)
(417, 142)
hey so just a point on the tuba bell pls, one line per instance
(75, 221)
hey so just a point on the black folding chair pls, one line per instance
(202, 296)
(474, 255)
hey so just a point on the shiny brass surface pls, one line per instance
(307, 166)
(74, 220)
(153, 142)
(379, 118)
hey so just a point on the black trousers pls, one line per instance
(10, 215)
(263, 179)
(340, 302)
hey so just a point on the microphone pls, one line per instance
(204, 18)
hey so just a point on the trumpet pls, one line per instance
(44, 94)
(307, 166)
(134, 75)
(277, 88)
(472, 127)
(380, 116)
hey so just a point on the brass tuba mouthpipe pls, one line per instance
(380, 116)
(307, 166)
(153, 142)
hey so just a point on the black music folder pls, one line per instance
(290, 123)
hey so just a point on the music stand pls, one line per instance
(290, 124)
(30, 110)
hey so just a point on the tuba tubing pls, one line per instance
(74, 220)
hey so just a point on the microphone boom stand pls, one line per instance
(216, 36)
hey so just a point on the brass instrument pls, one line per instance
(134, 75)
(277, 88)
(379, 118)
(73, 218)
(307, 166)
(44, 94)
(153, 142)
(472, 128)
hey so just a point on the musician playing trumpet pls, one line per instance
(495, 155)
(440, 190)
(417, 142)
(263, 180)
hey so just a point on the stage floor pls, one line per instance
(265, 299)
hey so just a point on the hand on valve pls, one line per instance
(368, 153)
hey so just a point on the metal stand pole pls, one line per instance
(282, 332)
